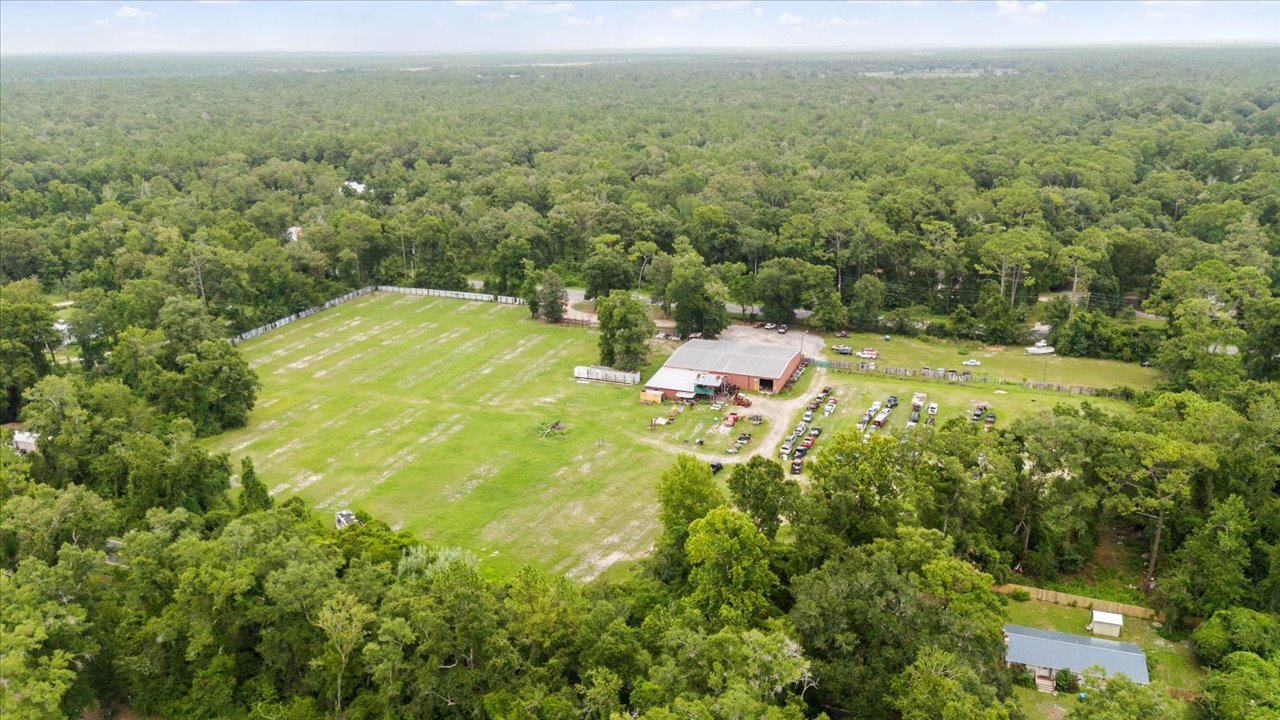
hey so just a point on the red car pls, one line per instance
(807, 442)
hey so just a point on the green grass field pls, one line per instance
(1171, 663)
(856, 392)
(425, 412)
(1011, 364)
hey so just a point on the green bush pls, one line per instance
(1021, 676)
(1235, 630)
(1066, 681)
(1020, 595)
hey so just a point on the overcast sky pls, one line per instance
(515, 25)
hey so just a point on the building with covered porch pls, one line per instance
(701, 368)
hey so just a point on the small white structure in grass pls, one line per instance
(1106, 623)
(25, 442)
(1040, 348)
(343, 518)
(356, 187)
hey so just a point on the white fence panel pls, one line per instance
(604, 374)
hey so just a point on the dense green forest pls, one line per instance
(178, 201)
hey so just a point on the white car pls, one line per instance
(972, 363)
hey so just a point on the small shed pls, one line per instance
(25, 442)
(344, 518)
(1106, 623)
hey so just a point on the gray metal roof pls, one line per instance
(669, 378)
(1049, 649)
(738, 358)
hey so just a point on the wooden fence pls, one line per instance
(1060, 598)
(1070, 389)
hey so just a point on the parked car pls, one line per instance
(991, 418)
(933, 408)
(914, 417)
(842, 349)
(797, 466)
(758, 325)
(800, 452)
(977, 413)
(971, 362)
(875, 407)
(782, 329)
(769, 326)
(716, 467)
(815, 431)
(808, 415)
(802, 426)
(807, 442)
(785, 450)
(892, 402)
(868, 353)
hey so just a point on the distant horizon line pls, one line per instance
(1258, 44)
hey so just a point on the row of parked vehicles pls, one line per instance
(801, 440)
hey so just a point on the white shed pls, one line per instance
(25, 442)
(1106, 623)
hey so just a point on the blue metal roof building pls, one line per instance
(1054, 650)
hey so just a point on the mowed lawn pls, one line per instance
(426, 413)
(1171, 663)
(1011, 364)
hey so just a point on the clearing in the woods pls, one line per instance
(433, 415)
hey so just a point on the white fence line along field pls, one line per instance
(428, 292)
(424, 411)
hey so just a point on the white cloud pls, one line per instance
(217, 2)
(579, 21)
(506, 6)
(789, 19)
(1170, 9)
(1021, 12)
(128, 12)
(837, 21)
(695, 8)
